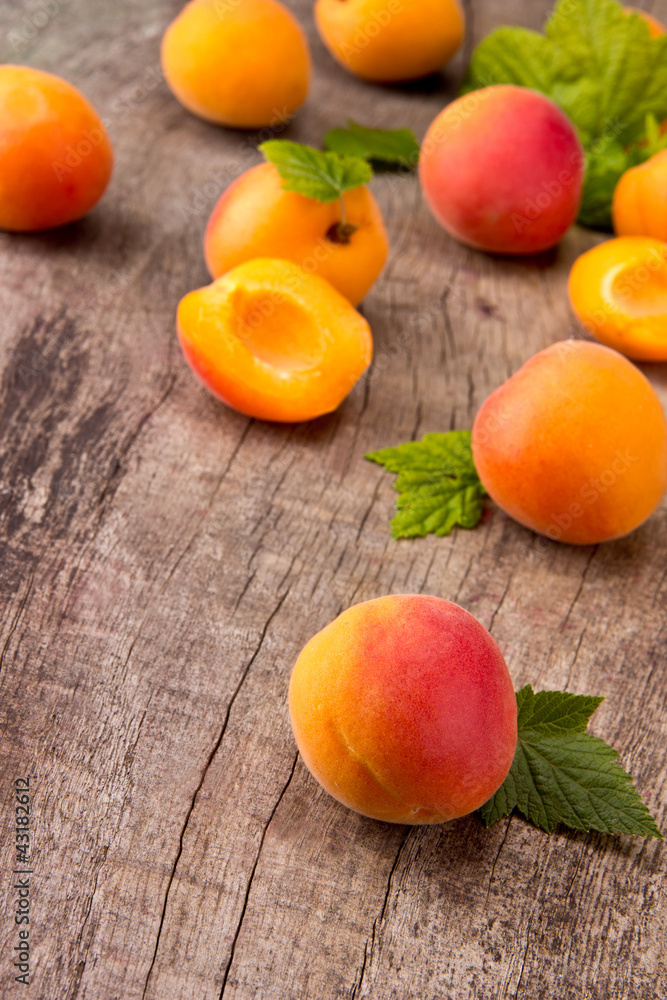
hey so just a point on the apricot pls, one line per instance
(403, 710)
(502, 170)
(574, 445)
(618, 291)
(256, 217)
(654, 25)
(390, 40)
(55, 155)
(241, 63)
(273, 341)
(639, 205)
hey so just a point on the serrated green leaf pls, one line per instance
(510, 55)
(562, 774)
(604, 168)
(601, 66)
(437, 483)
(553, 712)
(313, 173)
(388, 146)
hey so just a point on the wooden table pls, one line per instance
(164, 560)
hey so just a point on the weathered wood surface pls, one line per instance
(164, 559)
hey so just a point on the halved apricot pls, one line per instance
(273, 341)
(618, 290)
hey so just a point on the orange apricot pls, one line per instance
(273, 341)
(403, 710)
(618, 291)
(656, 28)
(639, 205)
(241, 63)
(256, 217)
(55, 155)
(390, 40)
(574, 445)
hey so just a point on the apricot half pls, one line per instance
(502, 170)
(618, 291)
(574, 445)
(273, 341)
(390, 40)
(403, 710)
(55, 155)
(256, 217)
(242, 63)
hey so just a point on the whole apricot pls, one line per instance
(502, 170)
(241, 63)
(403, 710)
(55, 154)
(574, 445)
(639, 205)
(256, 217)
(618, 291)
(390, 40)
(273, 341)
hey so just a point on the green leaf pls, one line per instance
(604, 169)
(389, 146)
(606, 68)
(601, 66)
(309, 171)
(437, 483)
(606, 162)
(510, 55)
(562, 774)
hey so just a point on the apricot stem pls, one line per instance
(341, 231)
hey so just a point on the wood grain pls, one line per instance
(164, 560)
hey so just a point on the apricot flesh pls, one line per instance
(273, 341)
(55, 155)
(403, 710)
(502, 170)
(618, 290)
(245, 64)
(390, 40)
(256, 217)
(574, 445)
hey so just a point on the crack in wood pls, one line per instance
(369, 944)
(200, 784)
(81, 964)
(580, 587)
(17, 617)
(252, 875)
(114, 477)
(495, 861)
(525, 956)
